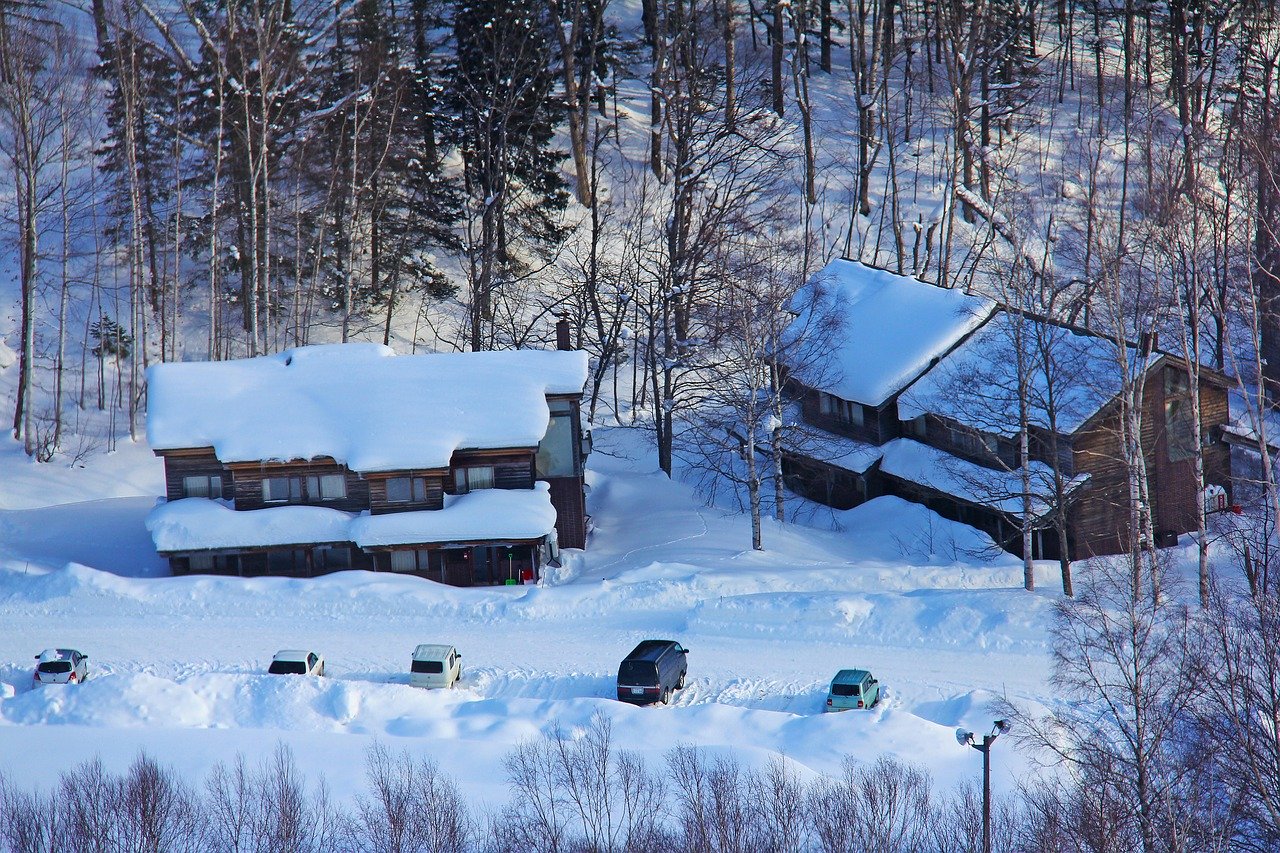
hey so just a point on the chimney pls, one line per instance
(562, 333)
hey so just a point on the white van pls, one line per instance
(435, 666)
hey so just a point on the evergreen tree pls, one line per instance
(502, 90)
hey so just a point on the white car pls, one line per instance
(435, 666)
(296, 662)
(60, 666)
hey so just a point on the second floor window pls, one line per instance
(473, 479)
(841, 410)
(311, 489)
(402, 490)
(202, 487)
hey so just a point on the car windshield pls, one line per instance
(430, 666)
(845, 690)
(55, 666)
(637, 672)
(287, 667)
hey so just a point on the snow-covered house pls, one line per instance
(948, 433)
(466, 468)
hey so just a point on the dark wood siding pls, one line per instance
(874, 427)
(378, 492)
(826, 484)
(1100, 519)
(571, 511)
(248, 483)
(511, 469)
(192, 463)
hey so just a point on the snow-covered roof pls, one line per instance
(484, 514)
(977, 383)
(360, 403)
(201, 524)
(892, 327)
(844, 452)
(998, 489)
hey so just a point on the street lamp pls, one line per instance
(967, 739)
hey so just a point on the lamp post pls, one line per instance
(967, 739)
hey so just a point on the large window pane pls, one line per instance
(398, 490)
(275, 489)
(480, 478)
(333, 487)
(419, 489)
(555, 452)
(195, 487)
(403, 561)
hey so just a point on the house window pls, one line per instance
(326, 487)
(405, 489)
(282, 490)
(313, 488)
(472, 479)
(411, 561)
(842, 410)
(288, 562)
(1179, 429)
(331, 558)
(202, 487)
(220, 563)
(975, 443)
(556, 457)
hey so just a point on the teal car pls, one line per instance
(852, 689)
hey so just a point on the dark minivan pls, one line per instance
(652, 671)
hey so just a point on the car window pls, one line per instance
(845, 690)
(311, 661)
(637, 672)
(430, 667)
(287, 667)
(55, 666)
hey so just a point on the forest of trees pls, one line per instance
(228, 178)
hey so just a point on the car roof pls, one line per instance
(57, 654)
(292, 654)
(650, 650)
(850, 676)
(431, 651)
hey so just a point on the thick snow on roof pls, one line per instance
(977, 383)
(936, 469)
(200, 524)
(892, 328)
(485, 514)
(359, 403)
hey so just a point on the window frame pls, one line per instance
(209, 480)
(462, 484)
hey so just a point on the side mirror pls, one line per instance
(458, 655)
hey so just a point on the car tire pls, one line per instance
(666, 696)
(680, 683)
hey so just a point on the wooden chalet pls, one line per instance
(465, 468)
(944, 431)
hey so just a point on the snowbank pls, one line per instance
(200, 524)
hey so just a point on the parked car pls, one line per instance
(435, 665)
(60, 666)
(296, 662)
(852, 688)
(652, 671)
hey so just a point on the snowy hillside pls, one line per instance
(177, 664)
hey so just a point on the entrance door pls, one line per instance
(483, 566)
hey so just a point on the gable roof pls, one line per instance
(1070, 371)
(892, 328)
(361, 404)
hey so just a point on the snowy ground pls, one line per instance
(177, 663)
